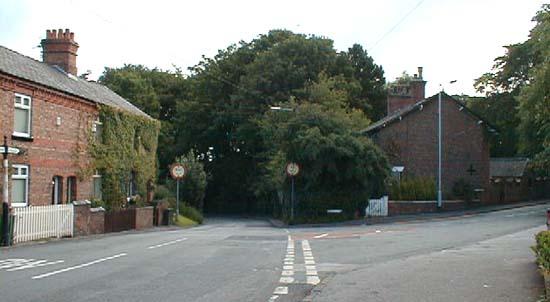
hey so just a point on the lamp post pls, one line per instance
(439, 146)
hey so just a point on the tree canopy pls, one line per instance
(519, 87)
(221, 109)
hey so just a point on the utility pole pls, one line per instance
(439, 138)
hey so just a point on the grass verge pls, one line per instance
(185, 222)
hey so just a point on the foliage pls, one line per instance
(162, 192)
(463, 189)
(413, 188)
(542, 250)
(128, 144)
(339, 168)
(191, 213)
(185, 222)
(193, 186)
(155, 92)
(214, 110)
(501, 111)
(523, 73)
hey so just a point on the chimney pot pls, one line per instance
(59, 48)
(420, 72)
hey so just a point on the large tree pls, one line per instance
(518, 88)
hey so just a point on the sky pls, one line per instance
(452, 39)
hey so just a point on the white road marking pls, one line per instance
(35, 264)
(310, 267)
(286, 280)
(166, 243)
(311, 273)
(309, 262)
(78, 266)
(287, 273)
(281, 290)
(288, 267)
(313, 280)
(321, 236)
(273, 298)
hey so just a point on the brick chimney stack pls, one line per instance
(59, 48)
(404, 93)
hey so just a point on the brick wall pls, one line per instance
(88, 221)
(144, 218)
(412, 143)
(416, 207)
(55, 150)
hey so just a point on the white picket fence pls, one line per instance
(38, 222)
(377, 207)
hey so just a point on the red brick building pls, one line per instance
(408, 135)
(48, 112)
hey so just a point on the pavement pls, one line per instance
(472, 257)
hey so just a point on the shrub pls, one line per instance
(191, 213)
(542, 250)
(413, 189)
(162, 192)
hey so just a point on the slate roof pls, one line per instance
(21, 66)
(508, 166)
(401, 113)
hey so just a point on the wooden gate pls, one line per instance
(122, 220)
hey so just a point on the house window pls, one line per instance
(131, 188)
(22, 116)
(20, 186)
(71, 189)
(97, 129)
(96, 193)
(57, 190)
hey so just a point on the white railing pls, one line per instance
(377, 207)
(38, 222)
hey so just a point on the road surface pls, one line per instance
(484, 257)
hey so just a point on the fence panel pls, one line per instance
(33, 223)
(377, 207)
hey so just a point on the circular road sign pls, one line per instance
(177, 171)
(292, 169)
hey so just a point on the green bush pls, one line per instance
(542, 250)
(162, 192)
(191, 213)
(413, 189)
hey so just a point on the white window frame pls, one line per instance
(29, 114)
(18, 175)
(95, 176)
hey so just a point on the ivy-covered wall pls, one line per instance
(128, 145)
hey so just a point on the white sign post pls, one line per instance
(6, 204)
(178, 172)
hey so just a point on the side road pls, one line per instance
(416, 217)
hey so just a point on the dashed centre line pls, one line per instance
(166, 243)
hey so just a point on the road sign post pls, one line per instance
(178, 172)
(6, 205)
(292, 169)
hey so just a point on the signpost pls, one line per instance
(292, 169)
(6, 205)
(177, 171)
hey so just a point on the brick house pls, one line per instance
(408, 135)
(48, 112)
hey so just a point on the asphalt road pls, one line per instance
(483, 257)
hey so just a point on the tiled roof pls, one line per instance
(508, 166)
(21, 66)
(399, 114)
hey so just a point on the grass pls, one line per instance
(185, 222)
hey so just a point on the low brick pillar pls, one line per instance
(144, 218)
(97, 221)
(81, 217)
